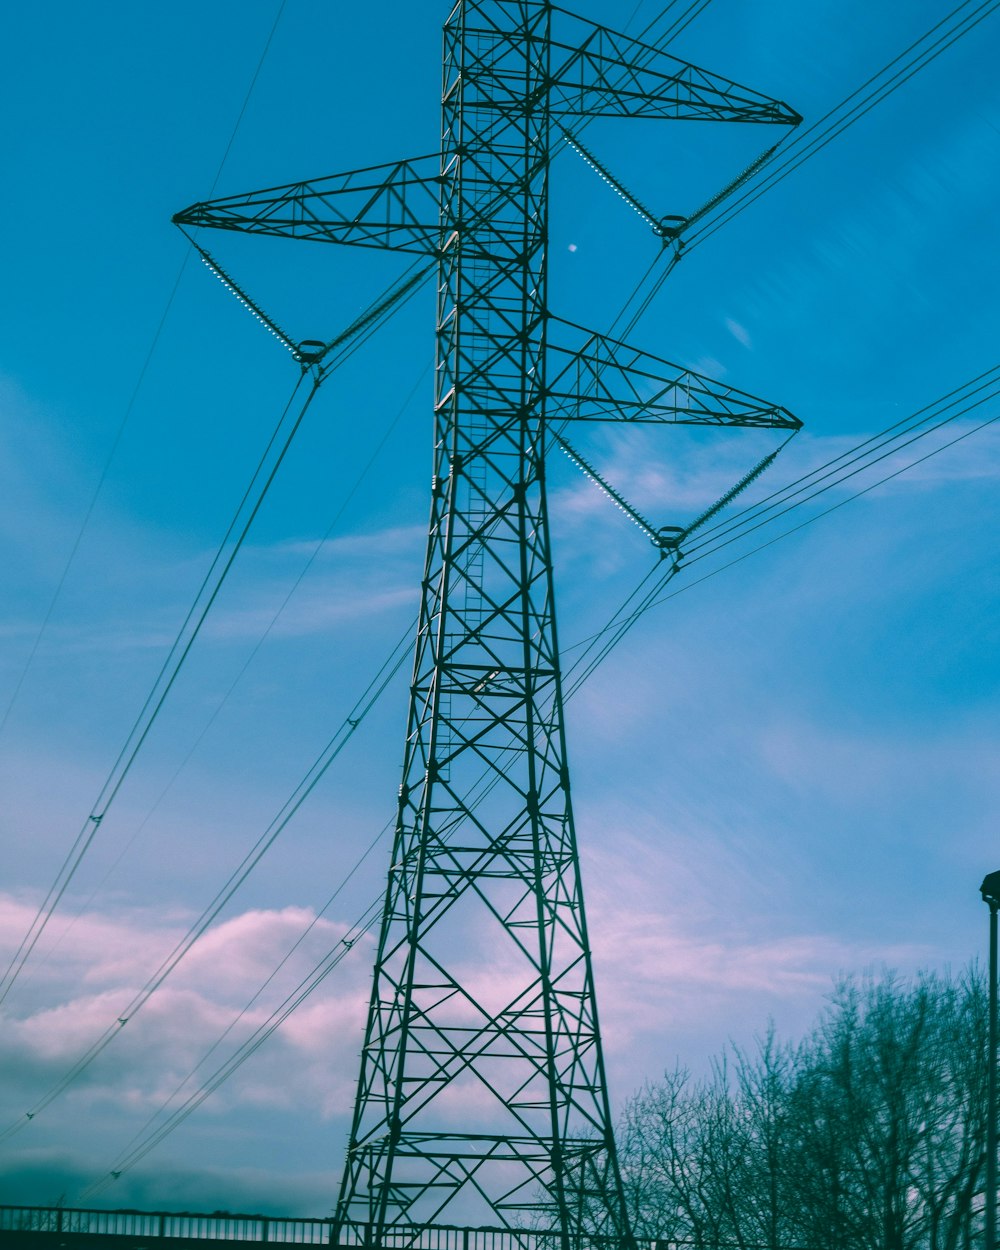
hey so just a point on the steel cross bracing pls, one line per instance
(482, 1093)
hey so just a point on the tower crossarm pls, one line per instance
(391, 206)
(608, 74)
(603, 379)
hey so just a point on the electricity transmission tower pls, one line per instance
(482, 1097)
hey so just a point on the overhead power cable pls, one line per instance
(217, 710)
(795, 148)
(170, 669)
(579, 672)
(915, 419)
(210, 912)
(307, 986)
(253, 498)
(800, 148)
(95, 495)
(141, 1138)
(915, 70)
(601, 643)
(728, 540)
(912, 464)
(677, 26)
(130, 405)
(807, 142)
(864, 455)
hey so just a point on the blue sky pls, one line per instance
(782, 774)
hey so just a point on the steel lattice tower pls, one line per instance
(482, 1096)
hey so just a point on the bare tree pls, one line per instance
(870, 1135)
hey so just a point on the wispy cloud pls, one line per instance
(739, 332)
(682, 968)
(684, 477)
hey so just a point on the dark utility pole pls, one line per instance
(990, 890)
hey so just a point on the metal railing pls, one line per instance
(57, 1225)
(74, 1227)
(141, 1226)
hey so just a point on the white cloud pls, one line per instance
(655, 945)
(710, 367)
(315, 612)
(739, 332)
(80, 993)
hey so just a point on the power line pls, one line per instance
(303, 572)
(246, 99)
(972, 387)
(130, 405)
(679, 24)
(813, 139)
(794, 161)
(368, 918)
(342, 947)
(169, 671)
(833, 508)
(270, 462)
(798, 147)
(753, 521)
(237, 877)
(894, 89)
(86, 835)
(88, 514)
(621, 623)
(291, 1003)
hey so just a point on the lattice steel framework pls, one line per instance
(482, 1094)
